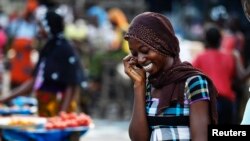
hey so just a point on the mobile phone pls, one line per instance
(139, 66)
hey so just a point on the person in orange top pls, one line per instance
(23, 33)
(120, 25)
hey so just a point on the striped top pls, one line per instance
(172, 123)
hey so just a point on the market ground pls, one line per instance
(107, 130)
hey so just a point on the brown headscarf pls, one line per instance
(155, 31)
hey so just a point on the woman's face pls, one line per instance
(151, 61)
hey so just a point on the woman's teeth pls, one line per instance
(148, 67)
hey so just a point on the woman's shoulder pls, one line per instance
(196, 79)
(197, 88)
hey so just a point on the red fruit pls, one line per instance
(49, 126)
(61, 125)
(64, 117)
(72, 115)
(72, 123)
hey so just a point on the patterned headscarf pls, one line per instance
(155, 31)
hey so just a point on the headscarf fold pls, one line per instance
(155, 31)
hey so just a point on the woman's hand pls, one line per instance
(139, 117)
(133, 70)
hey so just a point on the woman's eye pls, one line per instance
(144, 50)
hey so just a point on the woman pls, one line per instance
(172, 100)
(120, 25)
(57, 75)
(23, 33)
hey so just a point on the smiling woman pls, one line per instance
(140, 52)
(172, 99)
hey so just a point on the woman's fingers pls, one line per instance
(127, 61)
(127, 58)
(132, 69)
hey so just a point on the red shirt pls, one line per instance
(220, 67)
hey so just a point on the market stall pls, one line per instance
(65, 127)
(22, 105)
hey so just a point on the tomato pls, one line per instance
(65, 120)
(49, 126)
(72, 115)
(61, 125)
(72, 123)
(64, 117)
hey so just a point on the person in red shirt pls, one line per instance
(222, 68)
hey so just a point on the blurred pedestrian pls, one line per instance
(233, 41)
(180, 100)
(58, 73)
(223, 69)
(232, 36)
(115, 92)
(22, 35)
(4, 19)
(120, 25)
(100, 36)
(3, 42)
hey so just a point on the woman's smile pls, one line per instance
(148, 67)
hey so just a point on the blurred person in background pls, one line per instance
(114, 99)
(233, 38)
(233, 41)
(3, 34)
(58, 73)
(22, 33)
(4, 19)
(3, 43)
(76, 31)
(99, 39)
(223, 69)
(120, 25)
(172, 99)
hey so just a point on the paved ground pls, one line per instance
(107, 130)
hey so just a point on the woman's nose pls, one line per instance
(141, 58)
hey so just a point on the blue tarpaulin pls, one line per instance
(43, 135)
